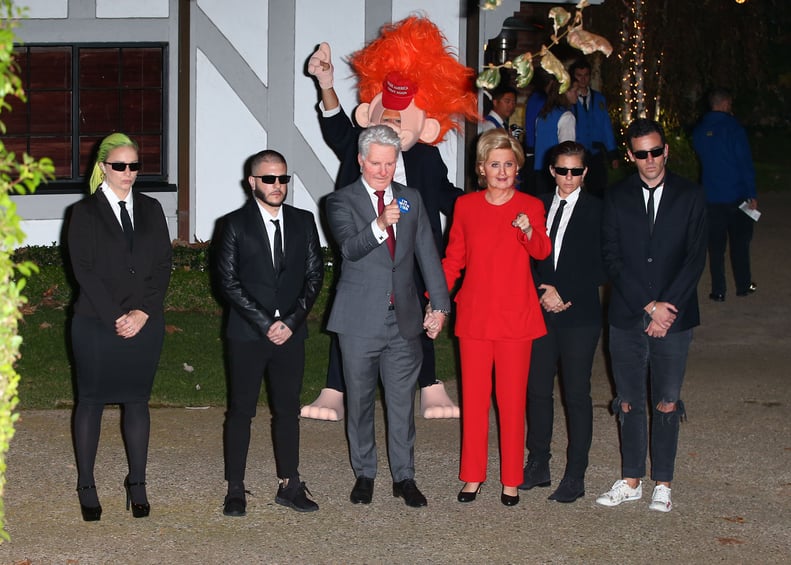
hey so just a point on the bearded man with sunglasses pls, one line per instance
(654, 250)
(269, 271)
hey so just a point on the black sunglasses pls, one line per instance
(642, 154)
(575, 172)
(270, 179)
(121, 167)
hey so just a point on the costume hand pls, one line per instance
(664, 313)
(320, 66)
(551, 300)
(130, 324)
(752, 203)
(654, 330)
(433, 322)
(389, 216)
(279, 333)
(522, 222)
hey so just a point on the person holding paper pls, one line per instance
(729, 179)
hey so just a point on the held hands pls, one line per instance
(320, 66)
(279, 333)
(433, 322)
(522, 222)
(663, 314)
(130, 324)
(551, 300)
(389, 216)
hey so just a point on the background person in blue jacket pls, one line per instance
(594, 129)
(729, 179)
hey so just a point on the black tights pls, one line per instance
(135, 427)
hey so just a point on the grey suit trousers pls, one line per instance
(397, 360)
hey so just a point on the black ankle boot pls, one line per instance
(138, 510)
(89, 513)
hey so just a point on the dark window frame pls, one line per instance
(79, 181)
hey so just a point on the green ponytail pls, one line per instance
(112, 141)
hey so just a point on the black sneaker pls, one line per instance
(294, 496)
(235, 501)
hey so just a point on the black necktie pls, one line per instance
(278, 245)
(380, 206)
(126, 223)
(650, 208)
(553, 231)
(584, 101)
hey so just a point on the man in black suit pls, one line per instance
(654, 251)
(269, 270)
(568, 281)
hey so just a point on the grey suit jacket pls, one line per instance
(369, 275)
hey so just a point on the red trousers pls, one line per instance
(511, 363)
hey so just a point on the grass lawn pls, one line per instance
(191, 371)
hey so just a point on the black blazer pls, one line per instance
(245, 276)
(112, 279)
(580, 270)
(665, 265)
(425, 170)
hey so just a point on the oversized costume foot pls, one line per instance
(328, 406)
(435, 402)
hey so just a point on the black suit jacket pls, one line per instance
(664, 265)
(112, 279)
(245, 276)
(580, 270)
(425, 170)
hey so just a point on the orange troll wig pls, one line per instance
(416, 48)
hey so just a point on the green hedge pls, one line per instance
(190, 284)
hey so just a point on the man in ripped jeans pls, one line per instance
(654, 251)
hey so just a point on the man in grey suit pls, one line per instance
(381, 227)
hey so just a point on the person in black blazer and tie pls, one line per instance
(120, 255)
(269, 271)
(569, 281)
(654, 251)
(382, 230)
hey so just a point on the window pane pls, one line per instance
(142, 111)
(141, 67)
(17, 145)
(56, 148)
(99, 68)
(50, 68)
(15, 119)
(88, 147)
(21, 59)
(99, 111)
(50, 112)
(150, 154)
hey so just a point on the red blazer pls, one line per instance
(497, 299)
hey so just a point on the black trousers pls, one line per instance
(572, 350)
(729, 226)
(284, 366)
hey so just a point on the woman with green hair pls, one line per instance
(120, 254)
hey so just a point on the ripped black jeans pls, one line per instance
(636, 360)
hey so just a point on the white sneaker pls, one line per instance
(660, 500)
(621, 492)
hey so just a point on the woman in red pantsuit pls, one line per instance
(494, 234)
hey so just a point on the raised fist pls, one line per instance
(320, 66)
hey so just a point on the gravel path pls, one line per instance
(732, 491)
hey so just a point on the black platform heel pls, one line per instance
(138, 510)
(89, 513)
(469, 496)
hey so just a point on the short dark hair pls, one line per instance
(567, 148)
(579, 64)
(266, 156)
(502, 90)
(719, 95)
(642, 127)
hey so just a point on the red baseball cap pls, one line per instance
(397, 91)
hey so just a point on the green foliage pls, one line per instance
(20, 174)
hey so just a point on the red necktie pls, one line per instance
(380, 206)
